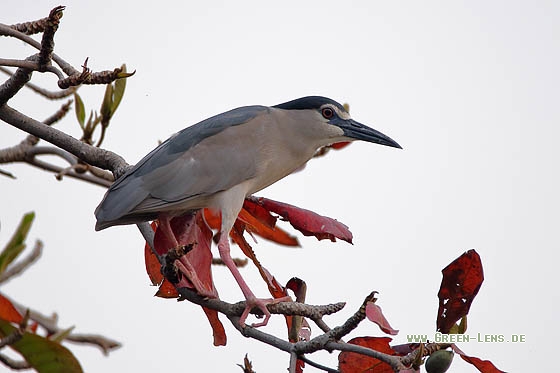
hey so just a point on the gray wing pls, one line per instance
(194, 163)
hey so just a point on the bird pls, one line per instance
(221, 160)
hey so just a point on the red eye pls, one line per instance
(328, 113)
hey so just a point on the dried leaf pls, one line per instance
(308, 222)
(351, 362)
(374, 313)
(483, 366)
(8, 312)
(219, 333)
(259, 225)
(460, 284)
(153, 266)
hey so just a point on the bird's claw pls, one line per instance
(260, 303)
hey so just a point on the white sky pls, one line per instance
(469, 89)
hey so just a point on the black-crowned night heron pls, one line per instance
(218, 162)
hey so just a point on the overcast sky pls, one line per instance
(468, 88)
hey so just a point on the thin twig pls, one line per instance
(14, 364)
(41, 91)
(317, 365)
(69, 173)
(12, 338)
(52, 150)
(95, 156)
(19, 267)
(16, 82)
(7, 174)
(8, 31)
(393, 361)
(293, 362)
(50, 324)
(429, 348)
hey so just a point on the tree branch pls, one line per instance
(95, 156)
(50, 324)
(6, 30)
(41, 91)
(47, 42)
(14, 364)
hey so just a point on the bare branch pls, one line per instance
(11, 338)
(317, 365)
(60, 172)
(41, 91)
(32, 27)
(47, 42)
(7, 174)
(393, 361)
(87, 77)
(354, 320)
(105, 344)
(293, 362)
(60, 113)
(14, 364)
(16, 82)
(87, 153)
(428, 349)
(19, 267)
(29, 65)
(50, 324)
(8, 31)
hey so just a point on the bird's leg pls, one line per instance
(183, 264)
(251, 300)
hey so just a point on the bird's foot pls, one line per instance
(260, 303)
(184, 267)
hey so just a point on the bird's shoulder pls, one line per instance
(182, 141)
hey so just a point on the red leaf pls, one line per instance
(220, 338)
(299, 287)
(260, 225)
(483, 366)
(153, 267)
(351, 362)
(8, 312)
(460, 284)
(212, 218)
(307, 222)
(259, 212)
(374, 313)
(191, 230)
(167, 290)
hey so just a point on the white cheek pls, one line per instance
(333, 131)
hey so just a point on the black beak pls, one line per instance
(359, 131)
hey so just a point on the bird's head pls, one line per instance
(336, 120)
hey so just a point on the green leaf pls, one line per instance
(43, 355)
(105, 109)
(118, 93)
(80, 109)
(17, 243)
